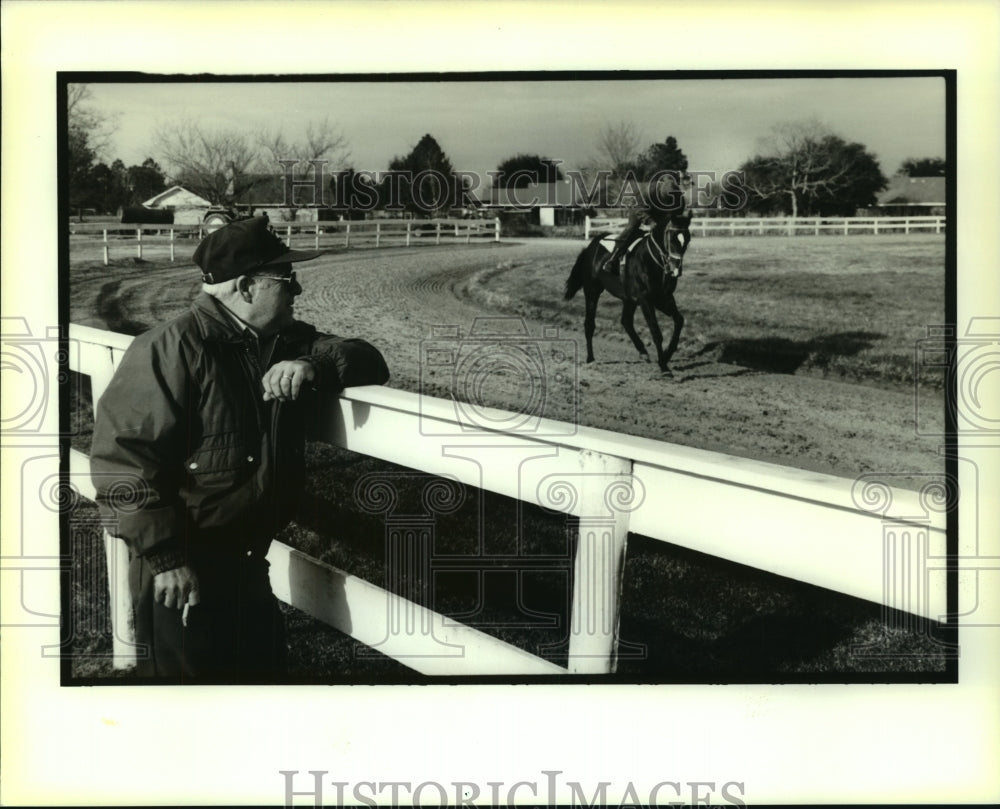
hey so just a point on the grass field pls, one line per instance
(849, 308)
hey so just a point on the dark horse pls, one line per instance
(648, 279)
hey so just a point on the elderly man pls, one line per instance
(203, 427)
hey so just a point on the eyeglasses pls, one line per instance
(288, 279)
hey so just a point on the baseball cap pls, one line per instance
(241, 248)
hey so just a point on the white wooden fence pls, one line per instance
(314, 235)
(788, 226)
(860, 537)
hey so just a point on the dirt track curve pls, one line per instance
(398, 298)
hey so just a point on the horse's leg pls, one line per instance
(668, 305)
(591, 292)
(628, 318)
(654, 330)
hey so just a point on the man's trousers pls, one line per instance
(235, 634)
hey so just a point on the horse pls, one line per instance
(649, 273)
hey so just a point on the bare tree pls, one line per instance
(324, 141)
(321, 141)
(223, 164)
(804, 162)
(276, 146)
(618, 147)
(77, 98)
(88, 140)
(212, 163)
(92, 126)
(617, 154)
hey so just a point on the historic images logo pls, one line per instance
(547, 790)
(432, 189)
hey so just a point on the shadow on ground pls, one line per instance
(779, 355)
(110, 310)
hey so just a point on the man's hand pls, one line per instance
(175, 588)
(283, 381)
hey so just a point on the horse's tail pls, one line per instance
(579, 273)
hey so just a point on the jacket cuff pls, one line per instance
(162, 559)
(325, 368)
(348, 364)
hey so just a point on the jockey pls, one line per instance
(655, 204)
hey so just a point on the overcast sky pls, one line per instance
(717, 122)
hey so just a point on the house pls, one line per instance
(559, 203)
(912, 196)
(187, 207)
(266, 194)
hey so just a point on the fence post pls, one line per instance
(123, 645)
(437, 234)
(875, 225)
(847, 225)
(586, 228)
(105, 247)
(101, 369)
(288, 235)
(347, 235)
(606, 496)
(317, 237)
(171, 244)
(138, 242)
(407, 232)
(378, 234)
(791, 225)
(496, 229)
(816, 231)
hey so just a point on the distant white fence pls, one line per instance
(788, 226)
(315, 235)
(860, 537)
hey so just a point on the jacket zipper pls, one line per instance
(254, 375)
(275, 413)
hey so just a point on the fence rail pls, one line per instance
(788, 226)
(313, 235)
(863, 538)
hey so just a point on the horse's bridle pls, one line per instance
(664, 255)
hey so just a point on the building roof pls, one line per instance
(177, 197)
(563, 194)
(903, 190)
(269, 189)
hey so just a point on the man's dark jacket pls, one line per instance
(187, 458)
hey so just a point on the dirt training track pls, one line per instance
(397, 298)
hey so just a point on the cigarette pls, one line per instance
(184, 614)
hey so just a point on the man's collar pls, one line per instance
(217, 321)
(237, 321)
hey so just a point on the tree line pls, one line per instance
(801, 169)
